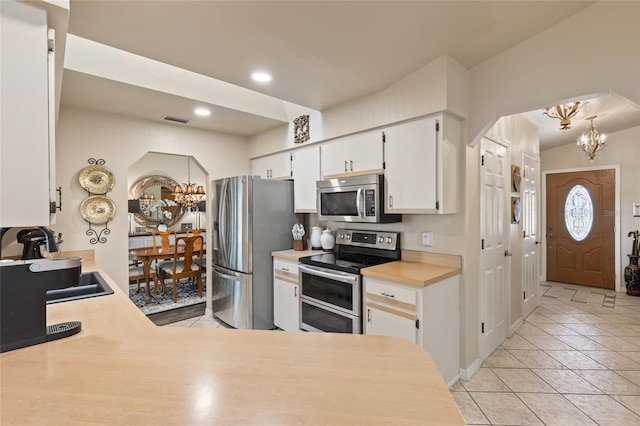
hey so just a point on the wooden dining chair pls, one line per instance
(184, 265)
(198, 246)
(136, 273)
(163, 238)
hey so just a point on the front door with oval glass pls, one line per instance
(580, 228)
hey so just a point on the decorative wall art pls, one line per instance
(516, 209)
(515, 178)
(97, 208)
(301, 129)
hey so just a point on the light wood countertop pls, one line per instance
(417, 268)
(121, 369)
(294, 255)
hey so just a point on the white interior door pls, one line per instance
(494, 232)
(531, 226)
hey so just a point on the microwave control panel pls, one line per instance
(370, 202)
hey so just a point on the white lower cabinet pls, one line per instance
(428, 316)
(385, 321)
(286, 295)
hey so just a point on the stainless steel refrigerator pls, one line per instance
(253, 217)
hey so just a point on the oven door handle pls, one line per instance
(328, 275)
(358, 204)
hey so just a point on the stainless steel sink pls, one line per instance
(91, 285)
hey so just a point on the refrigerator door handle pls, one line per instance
(222, 222)
(223, 275)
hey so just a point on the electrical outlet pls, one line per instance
(427, 238)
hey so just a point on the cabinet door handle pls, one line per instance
(368, 315)
(53, 206)
(388, 295)
(345, 166)
(351, 165)
(295, 291)
(390, 201)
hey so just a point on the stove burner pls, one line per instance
(351, 256)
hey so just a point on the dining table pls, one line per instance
(148, 254)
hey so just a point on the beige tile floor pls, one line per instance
(574, 361)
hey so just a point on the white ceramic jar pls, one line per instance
(327, 240)
(316, 233)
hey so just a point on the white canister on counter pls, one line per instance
(316, 233)
(327, 240)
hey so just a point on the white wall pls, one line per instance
(593, 52)
(543, 70)
(623, 149)
(121, 141)
(441, 85)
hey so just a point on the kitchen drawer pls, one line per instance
(285, 270)
(379, 291)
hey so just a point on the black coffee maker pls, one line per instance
(33, 239)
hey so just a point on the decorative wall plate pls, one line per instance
(96, 179)
(97, 209)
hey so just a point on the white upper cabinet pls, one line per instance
(25, 162)
(305, 165)
(421, 166)
(275, 166)
(352, 155)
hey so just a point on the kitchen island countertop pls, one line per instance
(122, 369)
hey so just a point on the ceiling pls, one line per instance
(320, 53)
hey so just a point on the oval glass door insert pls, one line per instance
(578, 212)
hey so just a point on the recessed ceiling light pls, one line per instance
(202, 112)
(261, 77)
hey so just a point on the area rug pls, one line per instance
(187, 295)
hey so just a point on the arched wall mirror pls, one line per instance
(157, 204)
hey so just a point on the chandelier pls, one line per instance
(189, 194)
(592, 141)
(146, 200)
(564, 113)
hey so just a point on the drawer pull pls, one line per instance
(285, 269)
(388, 295)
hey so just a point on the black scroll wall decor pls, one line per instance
(97, 209)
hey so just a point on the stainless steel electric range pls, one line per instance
(331, 283)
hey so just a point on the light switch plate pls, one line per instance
(427, 238)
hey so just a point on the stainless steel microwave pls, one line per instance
(353, 199)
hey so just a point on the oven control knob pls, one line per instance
(348, 236)
(389, 240)
(381, 239)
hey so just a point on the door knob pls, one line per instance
(538, 242)
(507, 253)
(549, 235)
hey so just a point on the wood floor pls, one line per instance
(178, 314)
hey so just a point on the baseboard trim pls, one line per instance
(515, 326)
(466, 374)
(453, 382)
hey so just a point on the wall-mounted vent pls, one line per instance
(175, 119)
